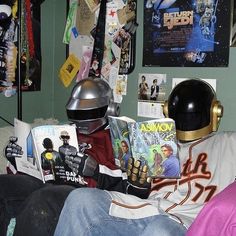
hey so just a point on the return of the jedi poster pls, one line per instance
(191, 33)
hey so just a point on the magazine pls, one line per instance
(44, 148)
(153, 143)
(120, 139)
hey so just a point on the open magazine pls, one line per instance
(151, 142)
(44, 148)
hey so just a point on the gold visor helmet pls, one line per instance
(194, 107)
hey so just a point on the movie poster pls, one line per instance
(191, 33)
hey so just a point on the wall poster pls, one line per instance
(20, 40)
(191, 33)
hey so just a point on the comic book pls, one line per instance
(44, 148)
(153, 143)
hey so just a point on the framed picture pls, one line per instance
(190, 33)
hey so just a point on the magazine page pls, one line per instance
(27, 164)
(52, 142)
(154, 144)
(120, 139)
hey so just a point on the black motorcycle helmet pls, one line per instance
(195, 109)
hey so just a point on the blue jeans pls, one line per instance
(86, 213)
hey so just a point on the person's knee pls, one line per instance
(81, 195)
(88, 197)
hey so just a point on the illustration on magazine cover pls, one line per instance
(120, 140)
(51, 144)
(154, 144)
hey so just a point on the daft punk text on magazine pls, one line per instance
(153, 143)
(186, 33)
(44, 149)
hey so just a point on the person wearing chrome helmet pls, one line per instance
(208, 165)
(25, 197)
(90, 104)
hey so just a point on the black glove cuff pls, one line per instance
(96, 173)
(137, 191)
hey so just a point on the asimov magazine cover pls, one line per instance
(154, 143)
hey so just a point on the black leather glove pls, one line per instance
(138, 182)
(12, 150)
(82, 164)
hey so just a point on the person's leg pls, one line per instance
(41, 211)
(14, 189)
(162, 225)
(86, 213)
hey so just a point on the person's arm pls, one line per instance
(138, 184)
(112, 179)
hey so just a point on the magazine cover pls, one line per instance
(120, 139)
(154, 143)
(44, 149)
(51, 143)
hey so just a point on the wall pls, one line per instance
(51, 100)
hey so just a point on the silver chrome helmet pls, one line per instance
(90, 104)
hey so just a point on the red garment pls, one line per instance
(101, 150)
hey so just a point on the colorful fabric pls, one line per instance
(218, 217)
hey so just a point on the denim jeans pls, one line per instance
(86, 213)
(35, 205)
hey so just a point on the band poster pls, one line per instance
(188, 33)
